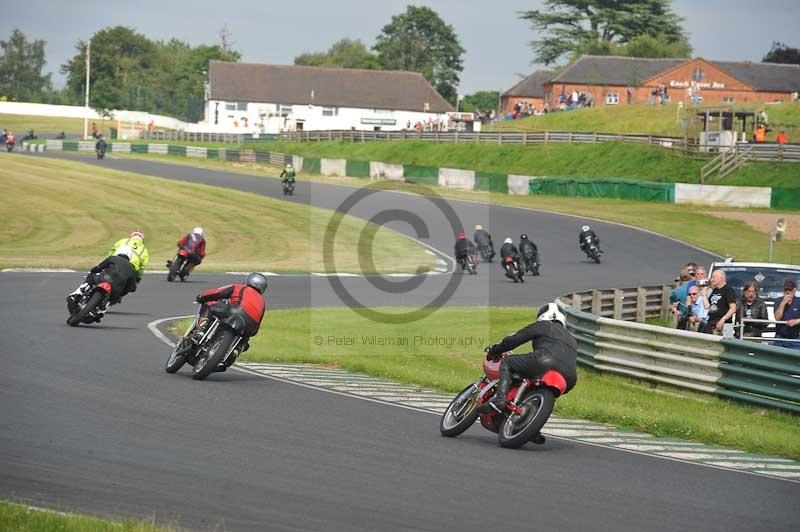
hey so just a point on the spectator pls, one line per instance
(697, 309)
(760, 134)
(787, 309)
(752, 307)
(722, 303)
(94, 130)
(678, 298)
(629, 94)
(782, 138)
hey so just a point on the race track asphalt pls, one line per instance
(91, 423)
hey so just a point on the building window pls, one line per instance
(330, 111)
(230, 106)
(728, 99)
(241, 106)
(284, 109)
(612, 98)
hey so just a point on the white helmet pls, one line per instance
(508, 241)
(198, 231)
(585, 228)
(551, 312)
(124, 251)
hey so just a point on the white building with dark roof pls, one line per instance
(254, 98)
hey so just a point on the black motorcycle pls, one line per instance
(486, 252)
(216, 350)
(178, 267)
(288, 187)
(101, 152)
(30, 136)
(591, 249)
(469, 263)
(530, 263)
(90, 304)
(513, 270)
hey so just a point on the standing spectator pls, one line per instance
(94, 130)
(782, 138)
(722, 303)
(629, 95)
(787, 309)
(751, 307)
(760, 134)
(678, 298)
(697, 309)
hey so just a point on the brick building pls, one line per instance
(530, 90)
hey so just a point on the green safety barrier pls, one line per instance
(604, 188)
(69, 146)
(311, 165)
(231, 155)
(212, 153)
(176, 150)
(492, 182)
(785, 198)
(357, 168)
(138, 148)
(424, 175)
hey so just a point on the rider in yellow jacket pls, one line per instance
(139, 255)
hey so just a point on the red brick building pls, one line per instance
(615, 80)
(530, 90)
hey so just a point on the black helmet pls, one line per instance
(523, 236)
(258, 281)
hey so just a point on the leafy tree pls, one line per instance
(345, 53)
(782, 53)
(21, 64)
(420, 41)
(483, 100)
(600, 26)
(657, 46)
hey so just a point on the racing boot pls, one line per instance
(500, 400)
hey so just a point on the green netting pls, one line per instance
(491, 181)
(138, 148)
(604, 188)
(785, 198)
(69, 146)
(311, 165)
(176, 150)
(424, 175)
(357, 168)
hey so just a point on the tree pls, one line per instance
(600, 26)
(657, 46)
(21, 64)
(483, 100)
(420, 41)
(345, 53)
(782, 53)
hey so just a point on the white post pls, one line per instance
(86, 101)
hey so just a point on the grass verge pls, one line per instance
(445, 352)
(686, 223)
(22, 518)
(66, 214)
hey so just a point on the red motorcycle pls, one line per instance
(513, 270)
(530, 403)
(178, 267)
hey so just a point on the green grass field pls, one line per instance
(60, 213)
(641, 119)
(408, 353)
(21, 518)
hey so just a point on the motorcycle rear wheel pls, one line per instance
(212, 354)
(517, 430)
(76, 319)
(455, 422)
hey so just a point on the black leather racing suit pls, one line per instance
(483, 239)
(582, 239)
(122, 274)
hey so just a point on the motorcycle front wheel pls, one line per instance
(177, 358)
(174, 268)
(518, 429)
(461, 413)
(78, 317)
(212, 354)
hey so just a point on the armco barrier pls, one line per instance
(734, 369)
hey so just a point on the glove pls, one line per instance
(490, 356)
(198, 299)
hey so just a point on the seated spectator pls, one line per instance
(787, 309)
(752, 307)
(722, 303)
(782, 138)
(696, 309)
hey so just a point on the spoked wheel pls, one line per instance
(177, 358)
(174, 268)
(518, 429)
(77, 318)
(212, 354)
(461, 413)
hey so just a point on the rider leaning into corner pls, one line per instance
(483, 238)
(195, 244)
(119, 270)
(587, 231)
(463, 248)
(139, 256)
(288, 174)
(553, 348)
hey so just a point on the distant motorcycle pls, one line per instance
(590, 248)
(30, 136)
(513, 270)
(89, 306)
(178, 266)
(530, 263)
(101, 153)
(530, 403)
(216, 350)
(288, 187)
(469, 263)
(486, 252)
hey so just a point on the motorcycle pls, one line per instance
(513, 271)
(469, 263)
(591, 249)
(101, 152)
(178, 267)
(288, 187)
(9, 145)
(530, 403)
(530, 263)
(30, 136)
(486, 252)
(215, 351)
(90, 304)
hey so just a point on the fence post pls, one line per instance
(641, 304)
(436, 134)
(352, 135)
(618, 301)
(308, 136)
(546, 137)
(597, 302)
(389, 136)
(665, 306)
(524, 138)
(318, 134)
(576, 301)
(570, 137)
(594, 137)
(456, 137)
(500, 137)
(478, 137)
(362, 136)
(330, 135)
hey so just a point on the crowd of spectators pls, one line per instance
(710, 306)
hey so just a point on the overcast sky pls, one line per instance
(271, 31)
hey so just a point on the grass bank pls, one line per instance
(444, 352)
(59, 213)
(21, 518)
(686, 223)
